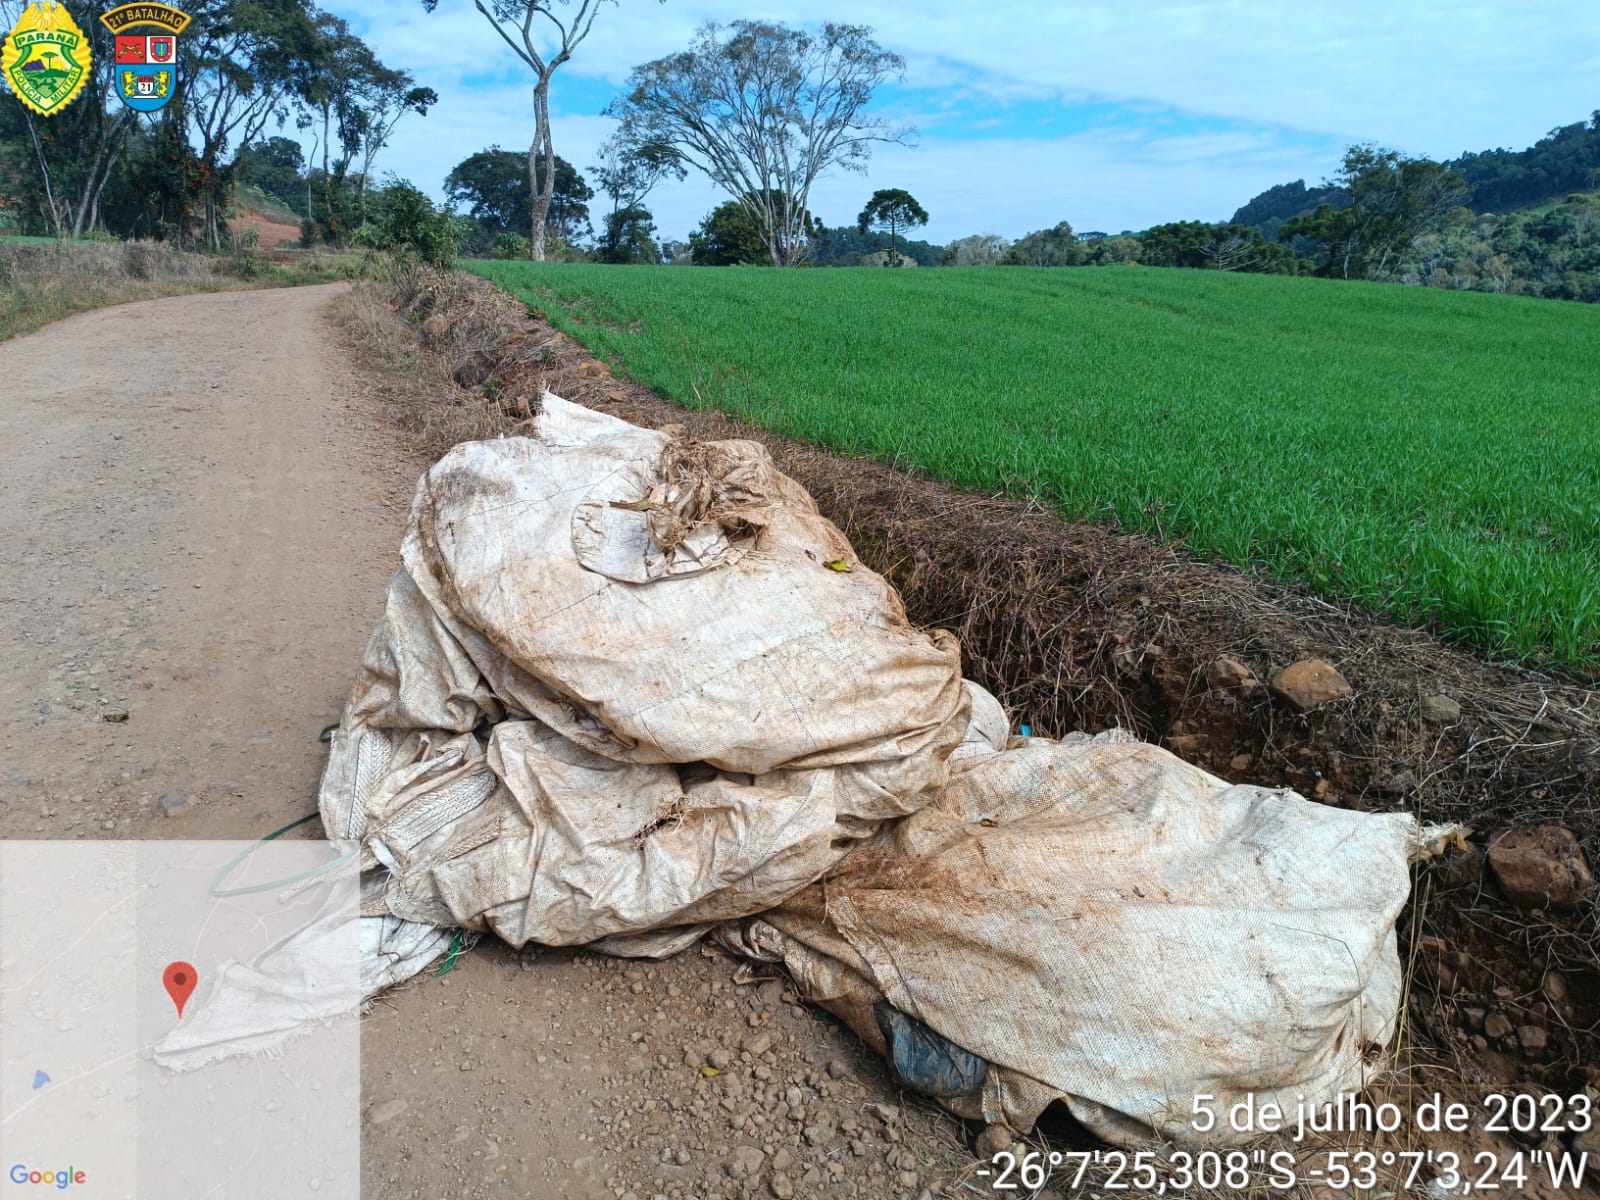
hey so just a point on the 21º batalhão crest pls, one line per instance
(45, 59)
(146, 52)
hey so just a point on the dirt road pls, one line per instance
(196, 526)
(200, 508)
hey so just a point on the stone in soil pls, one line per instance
(1309, 683)
(1460, 866)
(1231, 675)
(992, 1141)
(1540, 866)
(386, 1111)
(1440, 709)
(1186, 745)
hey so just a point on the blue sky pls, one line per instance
(1109, 115)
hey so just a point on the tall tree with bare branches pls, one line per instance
(521, 24)
(764, 110)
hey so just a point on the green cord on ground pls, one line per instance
(456, 947)
(276, 883)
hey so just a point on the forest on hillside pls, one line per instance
(1527, 221)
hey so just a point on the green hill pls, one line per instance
(1565, 160)
(1428, 453)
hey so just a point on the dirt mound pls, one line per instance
(273, 233)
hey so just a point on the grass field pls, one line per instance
(1435, 455)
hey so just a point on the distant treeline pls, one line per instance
(1382, 217)
(1527, 221)
(1567, 160)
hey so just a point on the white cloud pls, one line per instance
(1426, 76)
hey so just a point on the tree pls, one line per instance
(1394, 200)
(1201, 245)
(627, 174)
(896, 208)
(847, 246)
(359, 101)
(1113, 251)
(1566, 160)
(1268, 210)
(276, 165)
(327, 80)
(728, 236)
(628, 237)
(65, 161)
(238, 65)
(508, 16)
(1552, 252)
(1055, 247)
(382, 98)
(976, 250)
(764, 110)
(493, 184)
(406, 221)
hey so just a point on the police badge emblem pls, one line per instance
(45, 59)
(146, 62)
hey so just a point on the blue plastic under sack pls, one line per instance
(925, 1061)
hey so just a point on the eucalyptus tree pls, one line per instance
(764, 110)
(543, 41)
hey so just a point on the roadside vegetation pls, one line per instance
(43, 280)
(1431, 455)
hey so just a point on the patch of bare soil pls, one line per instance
(273, 233)
(1080, 627)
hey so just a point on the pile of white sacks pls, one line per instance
(632, 690)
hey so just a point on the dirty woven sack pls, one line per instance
(626, 687)
(1111, 927)
(629, 689)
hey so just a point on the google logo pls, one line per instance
(57, 1179)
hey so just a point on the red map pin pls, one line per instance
(179, 979)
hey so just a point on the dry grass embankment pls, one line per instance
(43, 281)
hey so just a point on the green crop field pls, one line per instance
(1432, 454)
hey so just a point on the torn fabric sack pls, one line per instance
(630, 689)
(624, 687)
(1111, 927)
